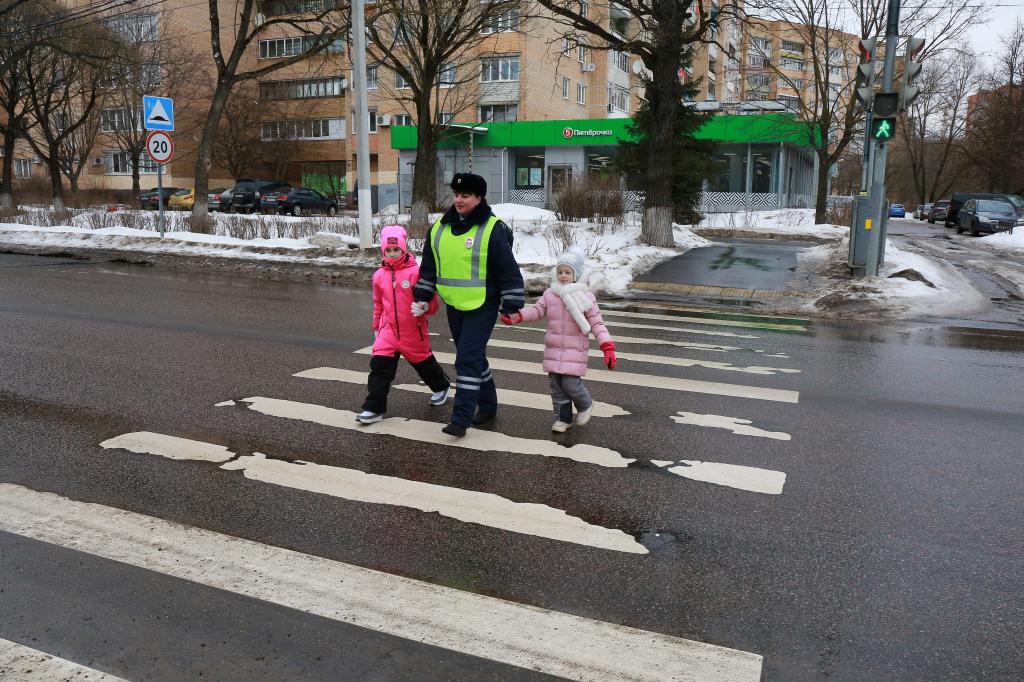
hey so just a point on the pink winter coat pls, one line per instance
(565, 344)
(398, 331)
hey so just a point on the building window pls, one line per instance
(565, 87)
(794, 83)
(22, 168)
(620, 60)
(120, 119)
(403, 119)
(791, 102)
(498, 69)
(446, 118)
(790, 46)
(448, 75)
(791, 63)
(583, 7)
(757, 61)
(289, 47)
(529, 170)
(581, 93)
(372, 118)
(620, 25)
(581, 54)
(400, 82)
(278, 8)
(371, 77)
(712, 91)
(503, 22)
(119, 163)
(493, 113)
(761, 46)
(310, 88)
(758, 80)
(567, 46)
(141, 28)
(618, 99)
(311, 129)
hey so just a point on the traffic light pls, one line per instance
(911, 69)
(866, 69)
(883, 121)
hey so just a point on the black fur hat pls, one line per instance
(469, 183)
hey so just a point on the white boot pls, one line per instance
(439, 397)
(560, 426)
(584, 416)
(367, 417)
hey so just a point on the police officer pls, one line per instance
(468, 262)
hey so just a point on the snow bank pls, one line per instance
(510, 212)
(1005, 240)
(788, 221)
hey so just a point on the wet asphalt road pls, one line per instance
(895, 550)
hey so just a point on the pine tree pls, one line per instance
(691, 160)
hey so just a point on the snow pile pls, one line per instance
(788, 221)
(517, 212)
(1006, 240)
(909, 285)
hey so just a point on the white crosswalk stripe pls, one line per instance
(529, 637)
(619, 339)
(772, 326)
(19, 663)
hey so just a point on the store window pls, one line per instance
(529, 171)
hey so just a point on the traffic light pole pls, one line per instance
(361, 125)
(877, 203)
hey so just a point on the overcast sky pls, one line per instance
(984, 38)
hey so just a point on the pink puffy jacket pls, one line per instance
(565, 345)
(398, 331)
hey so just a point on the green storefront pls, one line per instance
(764, 160)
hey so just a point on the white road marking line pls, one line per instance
(717, 348)
(662, 462)
(469, 506)
(708, 321)
(687, 330)
(735, 424)
(20, 663)
(171, 447)
(536, 401)
(636, 304)
(430, 432)
(495, 629)
(633, 379)
(656, 359)
(751, 479)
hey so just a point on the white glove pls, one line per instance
(419, 308)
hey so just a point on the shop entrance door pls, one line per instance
(558, 178)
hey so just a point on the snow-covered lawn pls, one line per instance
(787, 221)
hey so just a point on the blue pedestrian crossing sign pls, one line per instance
(158, 113)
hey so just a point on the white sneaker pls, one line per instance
(584, 416)
(367, 417)
(560, 426)
(439, 397)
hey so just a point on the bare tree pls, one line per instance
(239, 146)
(660, 33)
(828, 29)
(320, 23)
(995, 126)
(75, 150)
(431, 50)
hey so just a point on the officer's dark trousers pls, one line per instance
(473, 383)
(382, 374)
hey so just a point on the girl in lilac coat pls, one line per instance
(572, 314)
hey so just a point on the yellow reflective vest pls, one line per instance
(461, 263)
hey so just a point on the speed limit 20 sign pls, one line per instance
(159, 147)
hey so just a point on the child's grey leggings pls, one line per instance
(566, 391)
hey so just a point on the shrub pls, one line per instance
(590, 198)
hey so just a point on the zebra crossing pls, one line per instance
(612, 653)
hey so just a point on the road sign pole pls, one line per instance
(160, 195)
(881, 148)
(363, 127)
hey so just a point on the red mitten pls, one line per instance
(608, 348)
(514, 318)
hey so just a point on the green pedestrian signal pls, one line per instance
(882, 129)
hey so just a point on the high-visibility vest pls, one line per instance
(461, 264)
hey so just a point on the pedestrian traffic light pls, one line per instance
(884, 111)
(866, 69)
(882, 129)
(911, 69)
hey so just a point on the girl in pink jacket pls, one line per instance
(399, 328)
(572, 314)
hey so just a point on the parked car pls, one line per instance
(938, 211)
(213, 199)
(246, 195)
(988, 215)
(959, 198)
(182, 200)
(897, 211)
(150, 200)
(922, 211)
(299, 201)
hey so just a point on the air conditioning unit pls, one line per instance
(97, 161)
(587, 68)
(383, 120)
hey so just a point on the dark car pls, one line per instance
(959, 198)
(300, 201)
(938, 211)
(897, 211)
(150, 200)
(987, 215)
(246, 195)
(213, 198)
